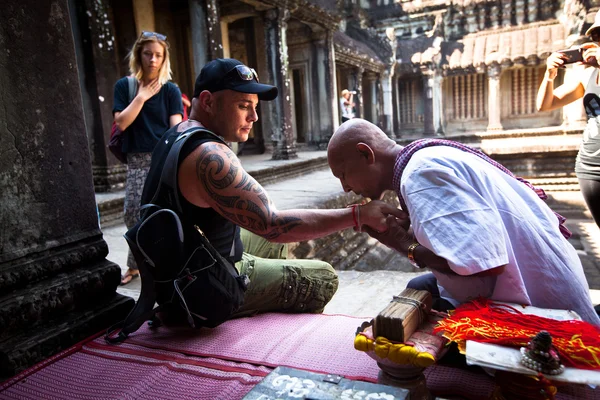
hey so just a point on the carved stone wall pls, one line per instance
(56, 286)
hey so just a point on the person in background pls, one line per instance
(155, 108)
(346, 105)
(584, 84)
(480, 230)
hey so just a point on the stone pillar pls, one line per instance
(428, 83)
(143, 10)
(387, 79)
(97, 68)
(56, 285)
(507, 12)
(284, 144)
(205, 31)
(494, 98)
(378, 103)
(262, 67)
(438, 104)
(357, 73)
(325, 108)
(396, 99)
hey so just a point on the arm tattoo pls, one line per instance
(246, 203)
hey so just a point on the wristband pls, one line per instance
(356, 216)
(411, 254)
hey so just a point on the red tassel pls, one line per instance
(577, 342)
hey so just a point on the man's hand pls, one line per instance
(374, 215)
(396, 235)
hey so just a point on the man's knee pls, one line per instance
(424, 282)
(309, 289)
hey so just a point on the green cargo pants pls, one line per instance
(279, 284)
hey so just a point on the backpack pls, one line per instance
(115, 143)
(179, 268)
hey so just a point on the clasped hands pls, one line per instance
(386, 223)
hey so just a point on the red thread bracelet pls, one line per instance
(354, 217)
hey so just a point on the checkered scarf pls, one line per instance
(407, 152)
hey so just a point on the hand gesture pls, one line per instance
(145, 92)
(591, 54)
(553, 62)
(374, 215)
(396, 236)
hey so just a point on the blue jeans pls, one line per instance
(429, 282)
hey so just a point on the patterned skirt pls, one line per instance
(138, 165)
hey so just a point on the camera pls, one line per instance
(353, 92)
(573, 55)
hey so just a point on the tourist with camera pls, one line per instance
(347, 105)
(586, 85)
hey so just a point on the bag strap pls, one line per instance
(168, 177)
(144, 308)
(132, 84)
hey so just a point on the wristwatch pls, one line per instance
(411, 254)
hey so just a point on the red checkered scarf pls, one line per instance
(407, 152)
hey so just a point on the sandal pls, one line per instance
(128, 277)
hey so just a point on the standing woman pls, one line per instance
(586, 85)
(155, 108)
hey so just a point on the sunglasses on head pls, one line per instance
(148, 34)
(244, 72)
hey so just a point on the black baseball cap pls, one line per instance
(229, 73)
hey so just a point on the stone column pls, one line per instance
(357, 73)
(438, 103)
(56, 286)
(284, 146)
(205, 31)
(97, 68)
(387, 79)
(428, 83)
(378, 103)
(143, 11)
(494, 98)
(396, 99)
(325, 105)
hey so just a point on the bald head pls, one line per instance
(362, 156)
(355, 131)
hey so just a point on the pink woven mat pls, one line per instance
(314, 342)
(97, 372)
(88, 376)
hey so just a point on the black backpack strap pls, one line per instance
(132, 84)
(144, 307)
(168, 177)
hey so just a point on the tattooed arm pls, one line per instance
(212, 176)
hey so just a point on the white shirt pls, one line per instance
(346, 109)
(477, 217)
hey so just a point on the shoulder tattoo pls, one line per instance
(237, 194)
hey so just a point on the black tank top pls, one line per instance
(223, 234)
